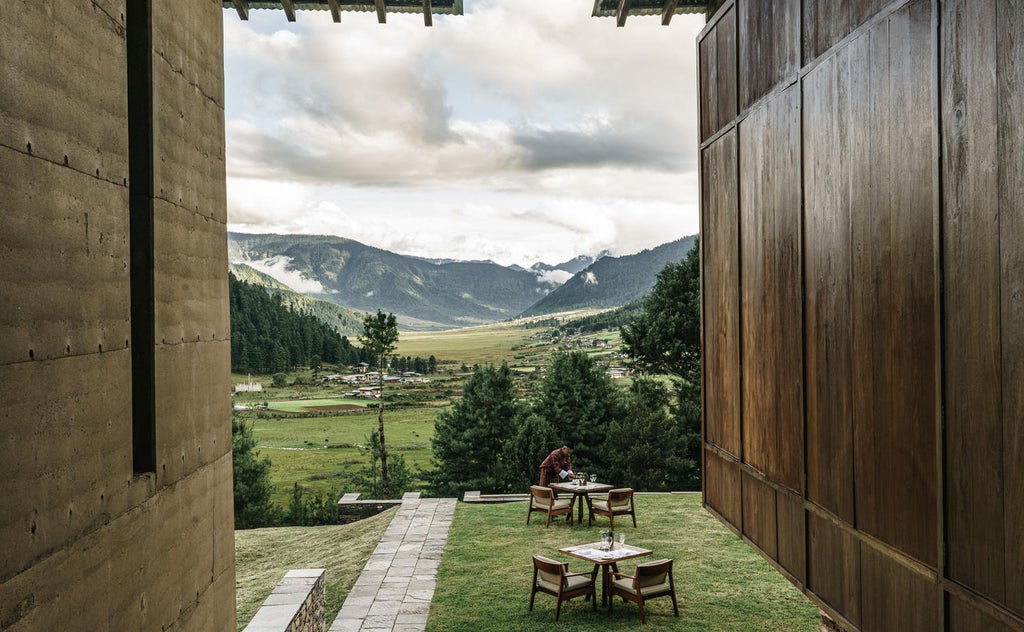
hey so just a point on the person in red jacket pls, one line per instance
(557, 466)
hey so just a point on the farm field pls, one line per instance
(316, 438)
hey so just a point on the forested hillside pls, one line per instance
(267, 336)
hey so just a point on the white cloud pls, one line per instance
(589, 278)
(554, 277)
(278, 268)
(523, 131)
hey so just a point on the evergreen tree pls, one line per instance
(533, 440)
(665, 338)
(368, 480)
(470, 437)
(251, 478)
(580, 401)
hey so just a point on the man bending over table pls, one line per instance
(557, 467)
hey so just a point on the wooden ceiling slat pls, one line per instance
(620, 17)
(381, 14)
(289, 9)
(335, 10)
(428, 19)
(242, 7)
(668, 11)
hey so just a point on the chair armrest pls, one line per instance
(576, 574)
(623, 575)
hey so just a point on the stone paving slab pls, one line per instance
(394, 590)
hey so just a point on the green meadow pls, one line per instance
(315, 437)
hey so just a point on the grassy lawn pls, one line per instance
(484, 579)
(263, 556)
(322, 452)
(311, 405)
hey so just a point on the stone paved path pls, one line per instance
(395, 588)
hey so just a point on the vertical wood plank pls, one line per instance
(769, 45)
(722, 491)
(894, 597)
(709, 97)
(893, 270)
(770, 279)
(727, 71)
(828, 328)
(834, 567)
(973, 436)
(759, 515)
(963, 617)
(792, 534)
(720, 242)
(1010, 86)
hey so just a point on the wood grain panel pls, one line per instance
(722, 488)
(727, 70)
(770, 280)
(769, 46)
(707, 49)
(759, 516)
(964, 617)
(892, 219)
(974, 434)
(834, 566)
(824, 24)
(720, 243)
(1010, 86)
(895, 598)
(827, 278)
(792, 534)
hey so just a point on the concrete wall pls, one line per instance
(90, 541)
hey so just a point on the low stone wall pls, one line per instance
(298, 604)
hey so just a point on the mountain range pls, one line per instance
(436, 294)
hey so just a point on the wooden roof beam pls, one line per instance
(668, 11)
(381, 15)
(289, 9)
(335, 10)
(242, 7)
(428, 19)
(620, 17)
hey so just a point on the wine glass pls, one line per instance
(593, 478)
(622, 539)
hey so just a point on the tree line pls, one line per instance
(268, 336)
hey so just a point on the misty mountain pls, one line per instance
(345, 321)
(423, 294)
(612, 281)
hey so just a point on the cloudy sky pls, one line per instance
(522, 131)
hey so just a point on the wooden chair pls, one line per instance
(618, 503)
(542, 499)
(650, 580)
(554, 578)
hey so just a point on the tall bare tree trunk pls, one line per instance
(384, 487)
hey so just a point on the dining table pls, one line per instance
(607, 560)
(581, 492)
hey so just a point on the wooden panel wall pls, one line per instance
(770, 289)
(721, 288)
(769, 46)
(983, 247)
(875, 231)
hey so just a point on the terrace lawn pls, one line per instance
(483, 582)
(487, 344)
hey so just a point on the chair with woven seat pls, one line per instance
(542, 499)
(554, 578)
(618, 503)
(649, 580)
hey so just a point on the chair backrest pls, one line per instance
(540, 496)
(620, 498)
(549, 570)
(653, 573)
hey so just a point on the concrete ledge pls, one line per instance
(297, 604)
(477, 497)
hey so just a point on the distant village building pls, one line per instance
(249, 387)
